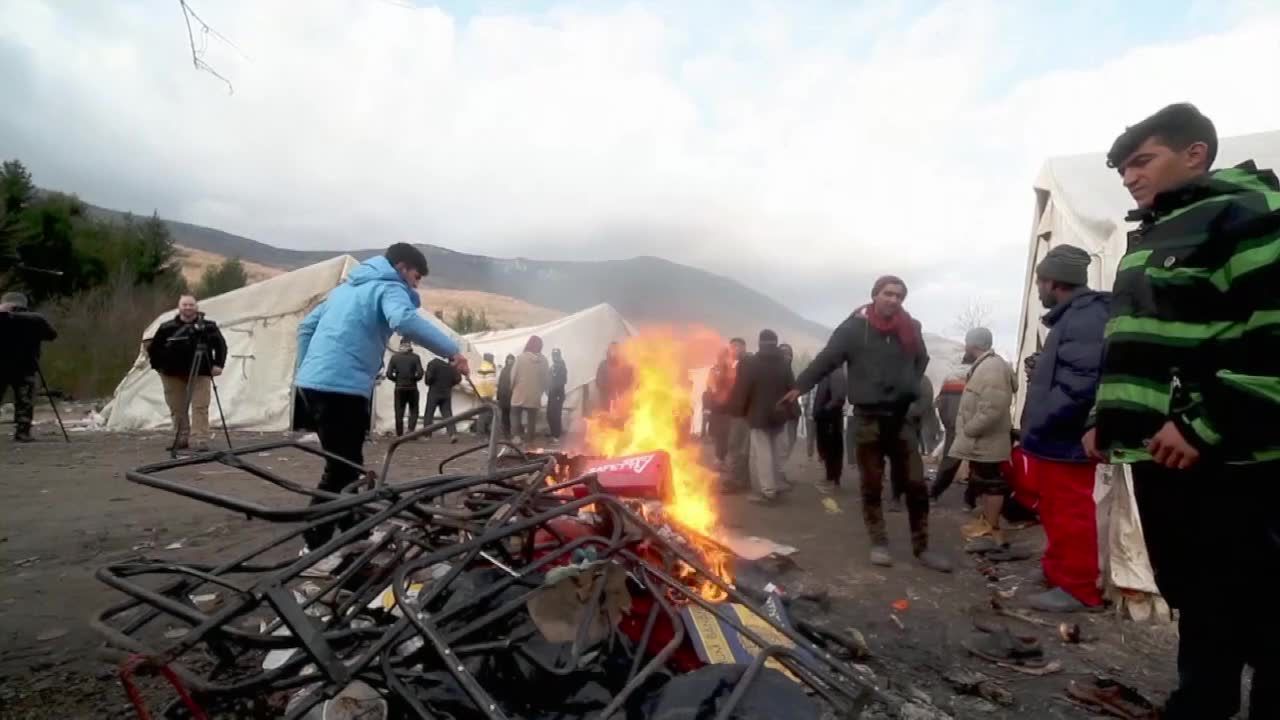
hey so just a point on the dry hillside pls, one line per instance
(194, 262)
(502, 311)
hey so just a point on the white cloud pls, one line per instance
(801, 166)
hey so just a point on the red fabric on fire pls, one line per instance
(1070, 520)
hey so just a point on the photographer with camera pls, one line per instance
(188, 351)
(21, 332)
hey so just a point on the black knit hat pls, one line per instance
(1066, 264)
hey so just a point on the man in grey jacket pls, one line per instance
(984, 428)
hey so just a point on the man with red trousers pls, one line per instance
(1062, 389)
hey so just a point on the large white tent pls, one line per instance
(1080, 201)
(260, 324)
(582, 338)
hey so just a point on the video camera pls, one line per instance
(191, 332)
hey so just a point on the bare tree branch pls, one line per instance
(197, 53)
(973, 315)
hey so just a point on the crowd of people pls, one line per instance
(1175, 373)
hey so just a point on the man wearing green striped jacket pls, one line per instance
(1190, 397)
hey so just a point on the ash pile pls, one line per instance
(539, 589)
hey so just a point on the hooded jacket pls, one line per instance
(530, 379)
(883, 377)
(342, 341)
(1195, 323)
(1064, 382)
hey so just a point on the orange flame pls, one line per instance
(656, 414)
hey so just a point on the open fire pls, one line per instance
(655, 414)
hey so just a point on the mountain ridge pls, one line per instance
(645, 289)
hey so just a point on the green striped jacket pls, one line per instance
(1194, 334)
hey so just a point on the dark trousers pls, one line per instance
(555, 410)
(1222, 583)
(504, 417)
(406, 399)
(720, 434)
(887, 437)
(444, 402)
(948, 468)
(828, 436)
(341, 421)
(24, 391)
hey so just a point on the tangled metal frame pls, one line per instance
(417, 538)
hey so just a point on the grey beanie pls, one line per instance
(979, 337)
(14, 298)
(1066, 264)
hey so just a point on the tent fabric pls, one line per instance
(582, 338)
(260, 324)
(1080, 201)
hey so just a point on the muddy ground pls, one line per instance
(66, 510)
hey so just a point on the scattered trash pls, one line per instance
(176, 633)
(901, 605)
(897, 621)
(175, 545)
(1052, 667)
(51, 634)
(1069, 632)
(1004, 648)
(206, 602)
(1111, 698)
(24, 562)
(144, 545)
(831, 506)
(971, 682)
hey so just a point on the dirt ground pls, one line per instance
(66, 510)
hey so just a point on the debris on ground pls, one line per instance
(525, 590)
(971, 682)
(1111, 698)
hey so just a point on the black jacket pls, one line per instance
(763, 379)
(883, 378)
(504, 384)
(21, 333)
(405, 369)
(828, 401)
(174, 345)
(441, 377)
(559, 379)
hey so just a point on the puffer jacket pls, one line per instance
(1064, 383)
(983, 425)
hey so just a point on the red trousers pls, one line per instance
(1070, 521)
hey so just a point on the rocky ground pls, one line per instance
(66, 510)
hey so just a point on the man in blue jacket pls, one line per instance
(341, 344)
(1062, 388)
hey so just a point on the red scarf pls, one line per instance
(899, 324)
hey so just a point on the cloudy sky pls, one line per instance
(802, 148)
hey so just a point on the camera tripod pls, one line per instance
(202, 352)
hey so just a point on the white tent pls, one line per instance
(260, 324)
(1081, 202)
(582, 338)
